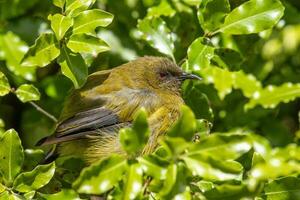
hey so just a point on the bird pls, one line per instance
(93, 115)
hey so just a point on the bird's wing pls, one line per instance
(84, 115)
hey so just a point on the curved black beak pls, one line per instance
(185, 76)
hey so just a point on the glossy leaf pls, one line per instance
(101, 176)
(224, 81)
(11, 155)
(200, 52)
(4, 85)
(134, 139)
(271, 96)
(60, 24)
(83, 43)
(214, 170)
(73, 7)
(153, 166)
(157, 34)
(73, 66)
(12, 49)
(163, 9)
(227, 59)
(133, 183)
(32, 158)
(212, 13)
(185, 127)
(59, 3)
(35, 179)
(283, 188)
(27, 92)
(66, 194)
(42, 52)
(87, 21)
(252, 17)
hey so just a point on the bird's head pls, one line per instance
(161, 73)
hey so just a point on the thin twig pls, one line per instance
(41, 110)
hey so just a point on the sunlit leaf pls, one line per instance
(133, 183)
(11, 155)
(153, 166)
(42, 52)
(212, 169)
(283, 188)
(4, 85)
(252, 17)
(66, 194)
(35, 179)
(212, 13)
(271, 96)
(83, 43)
(60, 24)
(59, 3)
(87, 21)
(73, 7)
(163, 9)
(200, 52)
(101, 176)
(12, 49)
(73, 66)
(28, 92)
(157, 34)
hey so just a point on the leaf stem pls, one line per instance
(41, 110)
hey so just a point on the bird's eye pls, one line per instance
(163, 74)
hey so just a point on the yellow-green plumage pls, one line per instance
(93, 115)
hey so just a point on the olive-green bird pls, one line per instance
(93, 115)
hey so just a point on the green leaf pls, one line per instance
(282, 189)
(11, 155)
(153, 166)
(28, 92)
(186, 126)
(59, 3)
(87, 21)
(175, 182)
(157, 34)
(193, 2)
(12, 49)
(134, 139)
(60, 24)
(4, 85)
(32, 158)
(2, 188)
(42, 52)
(197, 101)
(274, 168)
(73, 66)
(271, 96)
(212, 13)
(73, 7)
(212, 169)
(66, 194)
(222, 146)
(252, 17)
(134, 182)
(35, 179)
(200, 52)
(227, 58)
(163, 9)
(83, 43)
(225, 80)
(101, 176)
(29, 195)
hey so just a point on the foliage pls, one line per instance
(247, 52)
